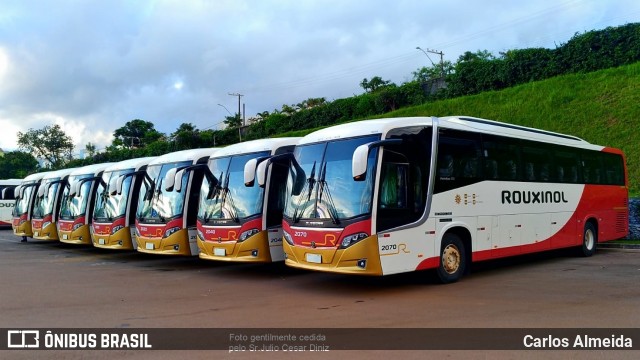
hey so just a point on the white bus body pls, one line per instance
(408, 194)
(45, 217)
(25, 195)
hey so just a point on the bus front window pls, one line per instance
(44, 204)
(74, 206)
(156, 204)
(329, 191)
(110, 207)
(230, 199)
(22, 203)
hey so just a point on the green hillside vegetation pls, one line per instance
(600, 107)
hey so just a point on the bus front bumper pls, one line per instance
(361, 258)
(253, 249)
(120, 240)
(79, 236)
(176, 244)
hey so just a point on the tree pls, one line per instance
(90, 149)
(49, 143)
(187, 136)
(233, 121)
(374, 84)
(17, 165)
(136, 133)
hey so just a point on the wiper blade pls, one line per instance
(322, 186)
(307, 186)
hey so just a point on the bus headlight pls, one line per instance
(200, 235)
(116, 229)
(138, 232)
(287, 237)
(352, 239)
(246, 234)
(44, 225)
(170, 232)
(76, 226)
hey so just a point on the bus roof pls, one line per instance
(252, 146)
(57, 174)
(192, 155)
(467, 123)
(35, 177)
(10, 181)
(93, 169)
(134, 164)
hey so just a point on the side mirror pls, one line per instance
(73, 188)
(113, 186)
(250, 172)
(119, 184)
(359, 162)
(17, 193)
(178, 180)
(261, 173)
(170, 179)
(361, 154)
(42, 189)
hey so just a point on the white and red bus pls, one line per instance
(240, 219)
(7, 200)
(387, 196)
(114, 214)
(45, 215)
(25, 195)
(76, 210)
(166, 217)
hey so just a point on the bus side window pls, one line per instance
(491, 169)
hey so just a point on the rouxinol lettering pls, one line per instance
(533, 197)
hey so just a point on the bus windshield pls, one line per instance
(110, 207)
(230, 198)
(74, 206)
(44, 205)
(22, 203)
(326, 170)
(157, 205)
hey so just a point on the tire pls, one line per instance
(589, 240)
(453, 259)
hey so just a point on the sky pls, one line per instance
(92, 66)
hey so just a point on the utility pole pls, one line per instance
(434, 52)
(239, 111)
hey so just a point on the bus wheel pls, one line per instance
(452, 259)
(589, 240)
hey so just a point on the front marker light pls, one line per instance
(171, 231)
(352, 239)
(287, 237)
(246, 234)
